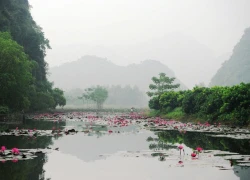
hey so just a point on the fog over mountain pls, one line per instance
(91, 70)
(235, 69)
(187, 36)
(191, 61)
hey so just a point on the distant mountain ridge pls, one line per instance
(191, 60)
(91, 70)
(237, 68)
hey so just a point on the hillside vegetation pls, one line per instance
(237, 68)
(23, 70)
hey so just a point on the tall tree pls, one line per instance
(97, 94)
(59, 98)
(161, 85)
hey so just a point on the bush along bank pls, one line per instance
(228, 105)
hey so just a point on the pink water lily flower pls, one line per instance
(15, 151)
(193, 155)
(3, 148)
(199, 149)
(180, 147)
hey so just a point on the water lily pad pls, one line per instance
(244, 164)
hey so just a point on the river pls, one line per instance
(129, 150)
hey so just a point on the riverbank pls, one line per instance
(179, 115)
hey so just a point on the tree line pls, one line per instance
(225, 104)
(117, 97)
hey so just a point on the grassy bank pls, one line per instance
(179, 115)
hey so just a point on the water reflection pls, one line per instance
(127, 153)
(124, 168)
(242, 172)
(35, 124)
(31, 142)
(88, 147)
(26, 142)
(195, 139)
(23, 170)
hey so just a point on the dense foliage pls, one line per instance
(237, 68)
(15, 74)
(226, 104)
(15, 17)
(22, 57)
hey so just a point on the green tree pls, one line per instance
(59, 98)
(97, 94)
(15, 74)
(161, 85)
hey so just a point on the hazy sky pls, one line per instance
(218, 24)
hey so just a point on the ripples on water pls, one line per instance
(131, 154)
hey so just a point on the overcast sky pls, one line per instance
(218, 24)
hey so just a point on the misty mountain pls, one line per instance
(192, 61)
(237, 68)
(91, 70)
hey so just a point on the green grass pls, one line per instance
(153, 113)
(177, 114)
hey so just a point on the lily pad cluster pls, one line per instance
(35, 132)
(125, 119)
(16, 154)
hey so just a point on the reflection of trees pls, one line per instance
(27, 169)
(29, 142)
(159, 145)
(26, 142)
(194, 139)
(23, 170)
(242, 172)
(37, 124)
(151, 139)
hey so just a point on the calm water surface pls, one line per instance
(130, 154)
